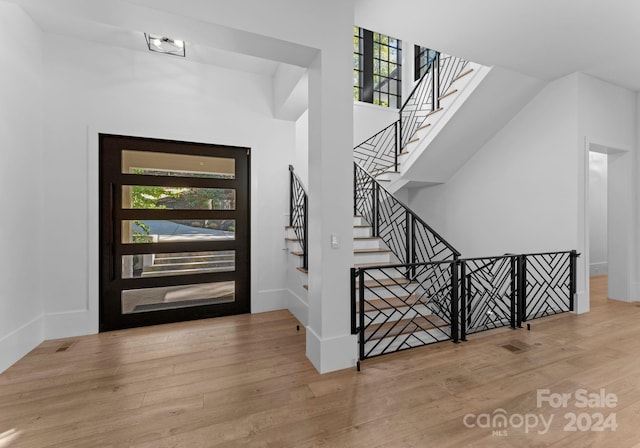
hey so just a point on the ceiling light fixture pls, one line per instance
(162, 44)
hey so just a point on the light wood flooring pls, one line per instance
(245, 381)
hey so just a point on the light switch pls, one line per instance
(335, 241)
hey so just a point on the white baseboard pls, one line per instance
(270, 300)
(298, 307)
(20, 342)
(601, 268)
(581, 304)
(328, 355)
(70, 324)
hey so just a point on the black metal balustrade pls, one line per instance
(298, 214)
(404, 232)
(408, 305)
(548, 281)
(395, 312)
(380, 152)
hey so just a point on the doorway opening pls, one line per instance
(598, 217)
(174, 231)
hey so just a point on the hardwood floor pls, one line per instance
(245, 381)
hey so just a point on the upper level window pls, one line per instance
(377, 68)
(422, 58)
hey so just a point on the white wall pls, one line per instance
(301, 161)
(597, 213)
(21, 300)
(369, 119)
(93, 88)
(518, 192)
(526, 189)
(607, 117)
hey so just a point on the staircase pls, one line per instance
(389, 309)
(409, 287)
(452, 112)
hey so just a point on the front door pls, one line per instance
(174, 231)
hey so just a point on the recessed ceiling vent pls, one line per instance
(162, 44)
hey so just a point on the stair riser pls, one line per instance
(359, 221)
(383, 257)
(359, 244)
(361, 232)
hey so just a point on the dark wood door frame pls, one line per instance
(112, 214)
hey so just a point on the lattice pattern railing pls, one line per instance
(406, 234)
(548, 279)
(407, 305)
(425, 98)
(397, 313)
(489, 287)
(378, 153)
(298, 214)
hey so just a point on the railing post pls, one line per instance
(396, 146)
(376, 207)
(522, 290)
(305, 238)
(407, 235)
(362, 326)
(514, 287)
(355, 189)
(291, 195)
(352, 278)
(412, 245)
(463, 302)
(454, 301)
(435, 80)
(573, 258)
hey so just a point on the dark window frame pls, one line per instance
(422, 57)
(377, 68)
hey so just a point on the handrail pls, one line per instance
(368, 203)
(298, 213)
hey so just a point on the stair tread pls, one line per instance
(439, 109)
(424, 126)
(461, 75)
(370, 265)
(385, 282)
(306, 287)
(371, 251)
(303, 270)
(447, 94)
(413, 140)
(404, 326)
